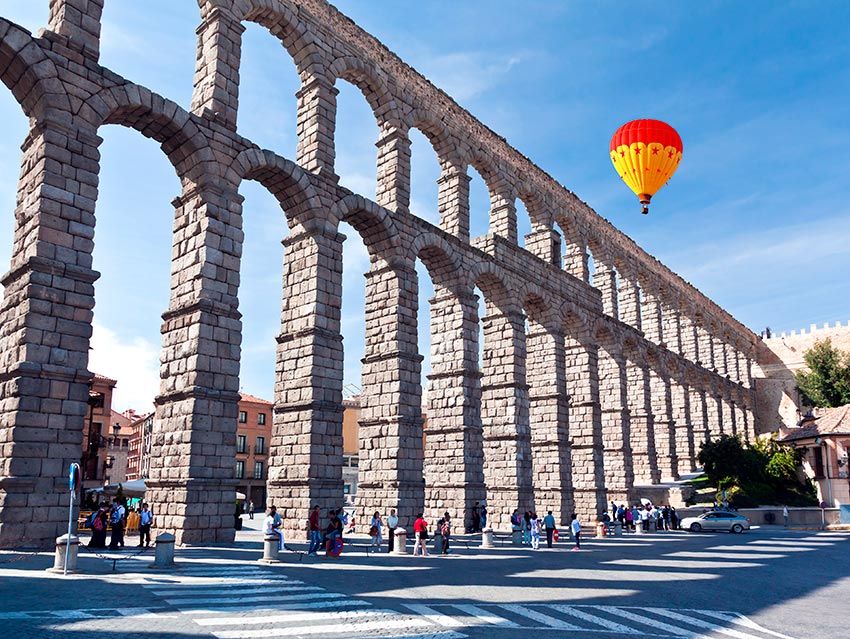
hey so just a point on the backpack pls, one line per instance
(97, 522)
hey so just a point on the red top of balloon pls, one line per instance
(646, 131)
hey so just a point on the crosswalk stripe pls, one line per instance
(439, 634)
(295, 616)
(190, 592)
(433, 616)
(743, 621)
(649, 621)
(210, 581)
(308, 605)
(539, 617)
(584, 616)
(255, 586)
(346, 629)
(243, 600)
(700, 623)
(485, 616)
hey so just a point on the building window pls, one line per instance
(240, 470)
(258, 470)
(260, 448)
(261, 419)
(241, 443)
(243, 417)
(819, 474)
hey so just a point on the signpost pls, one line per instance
(73, 485)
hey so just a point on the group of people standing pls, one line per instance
(112, 517)
(647, 516)
(529, 526)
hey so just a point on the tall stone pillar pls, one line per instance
(305, 456)
(546, 244)
(192, 485)
(729, 417)
(616, 427)
(741, 421)
(683, 418)
(80, 22)
(576, 257)
(690, 338)
(699, 414)
(46, 326)
(393, 173)
(715, 415)
(644, 458)
(454, 456)
(216, 83)
(453, 201)
(503, 216)
(585, 420)
(605, 280)
(316, 124)
(720, 362)
(505, 416)
(671, 328)
(653, 324)
(629, 303)
(705, 344)
(390, 436)
(664, 425)
(550, 436)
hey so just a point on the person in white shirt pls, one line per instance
(145, 522)
(535, 531)
(116, 520)
(785, 515)
(575, 526)
(392, 524)
(272, 526)
(375, 530)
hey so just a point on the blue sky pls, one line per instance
(757, 216)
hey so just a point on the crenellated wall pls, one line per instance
(588, 390)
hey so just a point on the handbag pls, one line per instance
(373, 531)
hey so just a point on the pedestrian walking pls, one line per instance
(483, 516)
(375, 529)
(446, 532)
(674, 518)
(549, 523)
(315, 531)
(420, 532)
(272, 526)
(785, 515)
(145, 523)
(630, 519)
(116, 520)
(476, 518)
(665, 515)
(535, 531)
(250, 509)
(575, 527)
(392, 524)
(526, 528)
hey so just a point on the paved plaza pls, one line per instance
(769, 583)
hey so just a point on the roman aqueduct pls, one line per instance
(590, 385)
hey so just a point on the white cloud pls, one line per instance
(465, 75)
(134, 363)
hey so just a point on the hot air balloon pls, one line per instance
(646, 153)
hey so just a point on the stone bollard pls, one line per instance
(487, 538)
(600, 530)
(400, 547)
(164, 548)
(59, 559)
(618, 529)
(639, 528)
(270, 550)
(516, 536)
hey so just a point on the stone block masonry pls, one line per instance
(585, 389)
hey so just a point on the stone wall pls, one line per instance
(601, 408)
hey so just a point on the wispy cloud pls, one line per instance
(467, 74)
(133, 361)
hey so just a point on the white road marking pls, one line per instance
(295, 616)
(599, 621)
(308, 605)
(743, 621)
(699, 623)
(434, 616)
(240, 595)
(485, 616)
(256, 599)
(539, 617)
(626, 614)
(240, 588)
(347, 629)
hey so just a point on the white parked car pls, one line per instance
(717, 520)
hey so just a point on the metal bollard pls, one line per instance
(62, 543)
(270, 550)
(164, 548)
(487, 538)
(400, 547)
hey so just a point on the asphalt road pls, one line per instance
(765, 584)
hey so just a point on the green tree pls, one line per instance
(827, 382)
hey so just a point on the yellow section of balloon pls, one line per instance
(645, 168)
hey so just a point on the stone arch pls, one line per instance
(540, 216)
(28, 73)
(282, 21)
(374, 225)
(155, 117)
(284, 179)
(444, 267)
(494, 285)
(440, 137)
(373, 87)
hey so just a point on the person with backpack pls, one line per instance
(445, 532)
(315, 531)
(99, 524)
(534, 523)
(116, 520)
(375, 528)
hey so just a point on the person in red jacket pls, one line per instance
(420, 531)
(315, 531)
